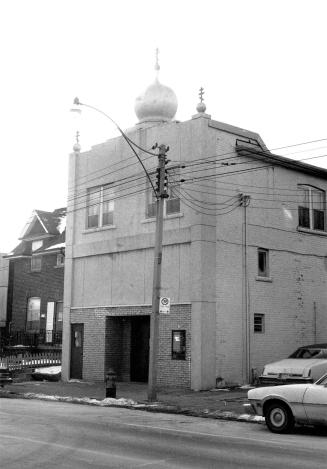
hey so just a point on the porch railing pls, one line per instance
(32, 339)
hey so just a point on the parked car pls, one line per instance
(283, 406)
(306, 365)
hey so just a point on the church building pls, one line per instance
(244, 252)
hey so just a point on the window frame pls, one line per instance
(308, 212)
(31, 311)
(100, 205)
(150, 199)
(266, 272)
(181, 354)
(36, 267)
(261, 325)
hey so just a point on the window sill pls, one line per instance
(59, 266)
(309, 231)
(101, 228)
(264, 279)
(166, 217)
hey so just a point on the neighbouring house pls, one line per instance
(244, 252)
(36, 282)
(4, 274)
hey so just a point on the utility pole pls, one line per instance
(154, 318)
(244, 202)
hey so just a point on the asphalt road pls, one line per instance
(37, 434)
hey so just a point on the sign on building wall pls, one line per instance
(164, 305)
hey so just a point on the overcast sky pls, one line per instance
(262, 64)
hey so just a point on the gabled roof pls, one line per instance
(48, 226)
(43, 223)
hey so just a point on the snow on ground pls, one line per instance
(50, 370)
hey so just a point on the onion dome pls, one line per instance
(158, 103)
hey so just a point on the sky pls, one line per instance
(262, 64)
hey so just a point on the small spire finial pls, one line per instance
(77, 146)
(201, 107)
(201, 93)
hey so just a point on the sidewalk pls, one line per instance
(218, 404)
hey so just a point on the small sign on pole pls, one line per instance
(164, 306)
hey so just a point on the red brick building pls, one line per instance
(36, 281)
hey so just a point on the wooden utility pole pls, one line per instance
(154, 319)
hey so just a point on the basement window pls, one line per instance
(259, 323)
(178, 346)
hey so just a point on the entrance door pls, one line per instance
(140, 336)
(76, 357)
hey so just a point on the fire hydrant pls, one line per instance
(111, 383)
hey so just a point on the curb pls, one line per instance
(130, 404)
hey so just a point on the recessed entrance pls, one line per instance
(127, 347)
(140, 336)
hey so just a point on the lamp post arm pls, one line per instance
(78, 103)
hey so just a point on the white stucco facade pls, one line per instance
(210, 253)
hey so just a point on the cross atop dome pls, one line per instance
(158, 103)
(201, 107)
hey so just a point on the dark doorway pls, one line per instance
(76, 357)
(140, 336)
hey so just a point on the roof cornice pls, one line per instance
(257, 153)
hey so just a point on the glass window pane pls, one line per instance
(33, 314)
(304, 217)
(318, 220)
(93, 207)
(262, 262)
(172, 206)
(317, 199)
(178, 346)
(36, 263)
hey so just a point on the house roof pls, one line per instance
(42, 225)
(244, 148)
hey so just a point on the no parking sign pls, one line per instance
(164, 305)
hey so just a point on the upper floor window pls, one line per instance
(100, 207)
(33, 314)
(36, 263)
(312, 208)
(36, 245)
(263, 262)
(172, 203)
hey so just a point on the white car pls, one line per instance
(306, 365)
(283, 406)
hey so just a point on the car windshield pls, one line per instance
(306, 352)
(322, 381)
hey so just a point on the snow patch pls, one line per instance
(50, 370)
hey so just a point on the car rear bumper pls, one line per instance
(271, 381)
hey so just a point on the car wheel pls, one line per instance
(279, 418)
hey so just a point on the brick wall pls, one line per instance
(48, 284)
(107, 332)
